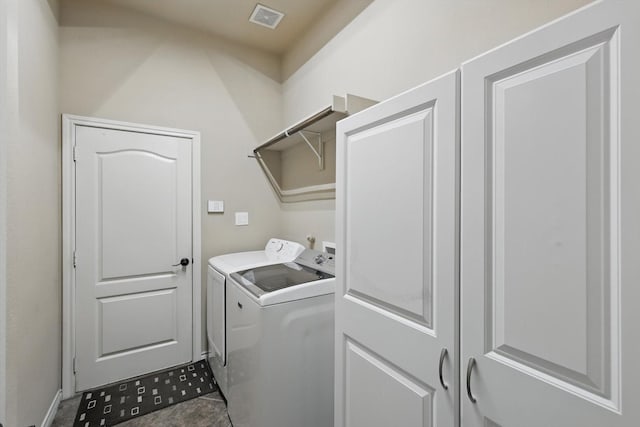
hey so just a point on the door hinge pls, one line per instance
(75, 153)
(74, 365)
(75, 259)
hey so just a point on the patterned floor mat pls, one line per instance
(132, 398)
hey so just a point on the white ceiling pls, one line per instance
(230, 18)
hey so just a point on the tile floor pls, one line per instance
(204, 411)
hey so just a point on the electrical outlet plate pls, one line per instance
(242, 218)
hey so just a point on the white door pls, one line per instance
(550, 225)
(396, 298)
(133, 223)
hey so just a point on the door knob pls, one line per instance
(183, 262)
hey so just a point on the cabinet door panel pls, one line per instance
(548, 178)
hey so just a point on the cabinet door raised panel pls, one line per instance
(396, 293)
(549, 230)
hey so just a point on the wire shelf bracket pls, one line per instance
(318, 152)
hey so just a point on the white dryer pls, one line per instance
(220, 267)
(280, 337)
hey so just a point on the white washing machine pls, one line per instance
(280, 343)
(220, 267)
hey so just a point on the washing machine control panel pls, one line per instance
(279, 249)
(319, 260)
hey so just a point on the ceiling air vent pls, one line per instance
(266, 17)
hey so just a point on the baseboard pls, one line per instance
(53, 409)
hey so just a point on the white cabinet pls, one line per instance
(535, 211)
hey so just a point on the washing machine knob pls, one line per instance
(320, 259)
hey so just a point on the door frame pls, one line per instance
(69, 124)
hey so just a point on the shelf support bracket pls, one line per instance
(320, 151)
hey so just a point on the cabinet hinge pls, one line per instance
(75, 153)
(75, 259)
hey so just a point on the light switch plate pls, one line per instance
(215, 206)
(242, 218)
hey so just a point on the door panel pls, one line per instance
(543, 195)
(558, 219)
(133, 222)
(137, 320)
(398, 398)
(124, 178)
(402, 203)
(397, 255)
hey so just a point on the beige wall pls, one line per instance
(317, 35)
(394, 45)
(7, 15)
(118, 64)
(33, 218)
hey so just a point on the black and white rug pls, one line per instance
(120, 402)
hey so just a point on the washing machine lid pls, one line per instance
(275, 251)
(229, 263)
(271, 278)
